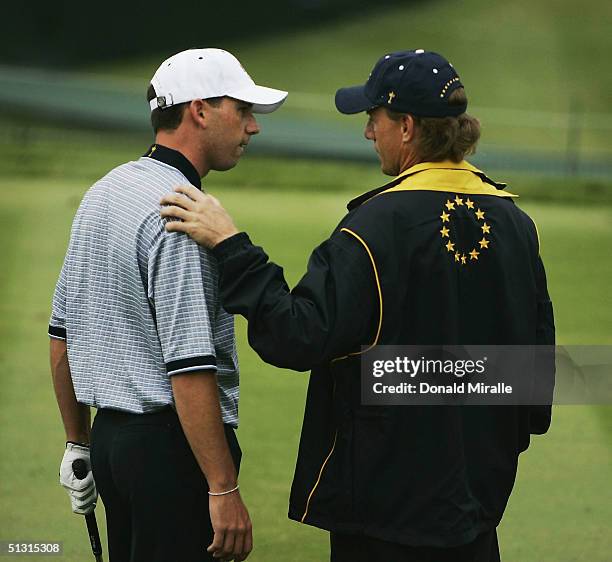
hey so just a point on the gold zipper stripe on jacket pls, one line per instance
(380, 298)
(537, 234)
(318, 479)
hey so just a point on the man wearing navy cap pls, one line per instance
(439, 255)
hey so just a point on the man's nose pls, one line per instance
(253, 126)
(368, 133)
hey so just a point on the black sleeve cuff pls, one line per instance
(57, 333)
(231, 245)
(200, 363)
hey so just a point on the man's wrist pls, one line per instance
(224, 492)
(222, 485)
(230, 244)
(225, 236)
(82, 442)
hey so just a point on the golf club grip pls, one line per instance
(94, 534)
(80, 471)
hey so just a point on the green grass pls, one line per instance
(559, 510)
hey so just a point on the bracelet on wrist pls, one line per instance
(224, 493)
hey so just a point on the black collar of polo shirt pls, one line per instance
(175, 159)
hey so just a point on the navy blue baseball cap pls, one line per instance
(417, 82)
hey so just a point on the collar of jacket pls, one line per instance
(445, 176)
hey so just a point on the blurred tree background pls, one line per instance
(534, 72)
(68, 32)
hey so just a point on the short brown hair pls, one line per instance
(170, 118)
(445, 138)
(165, 119)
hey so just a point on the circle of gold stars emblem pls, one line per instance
(459, 255)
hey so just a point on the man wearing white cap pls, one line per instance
(138, 332)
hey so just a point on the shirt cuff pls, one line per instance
(57, 332)
(200, 363)
(231, 245)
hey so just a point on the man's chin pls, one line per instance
(225, 166)
(388, 171)
(385, 168)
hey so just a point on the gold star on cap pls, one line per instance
(450, 246)
(458, 200)
(391, 96)
(450, 205)
(470, 204)
(485, 228)
(484, 243)
(444, 232)
(479, 215)
(463, 259)
(444, 216)
(474, 254)
(457, 256)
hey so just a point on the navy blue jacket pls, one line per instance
(440, 255)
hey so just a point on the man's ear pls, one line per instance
(197, 112)
(407, 123)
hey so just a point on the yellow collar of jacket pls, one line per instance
(450, 176)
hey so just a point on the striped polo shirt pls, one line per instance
(137, 304)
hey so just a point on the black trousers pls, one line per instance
(359, 548)
(154, 492)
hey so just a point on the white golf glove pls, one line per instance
(83, 493)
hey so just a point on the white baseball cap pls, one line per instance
(209, 73)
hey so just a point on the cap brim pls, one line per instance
(264, 100)
(353, 100)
